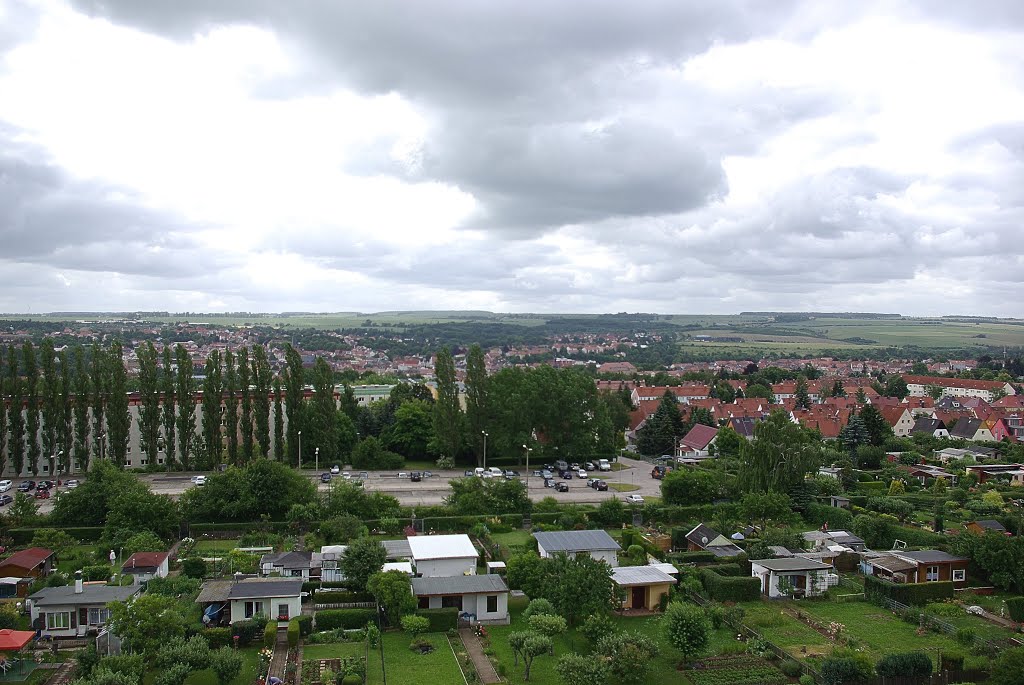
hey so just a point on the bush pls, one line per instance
(194, 567)
(329, 619)
(305, 624)
(846, 666)
(293, 632)
(441, 620)
(952, 661)
(415, 625)
(728, 569)
(97, 572)
(539, 606)
(723, 589)
(340, 597)
(218, 637)
(1015, 605)
(904, 665)
(966, 636)
(248, 631)
(806, 679)
(907, 593)
(270, 634)
(791, 669)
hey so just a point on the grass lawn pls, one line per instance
(207, 676)
(204, 547)
(404, 666)
(334, 650)
(623, 487)
(509, 540)
(784, 630)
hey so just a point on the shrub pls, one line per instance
(791, 669)
(952, 661)
(539, 606)
(340, 597)
(966, 636)
(1015, 605)
(193, 567)
(270, 634)
(806, 679)
(723, 589)
(716, 614)
(760, 647)
(441, 620)
(96, 572)
(249, 631)
(329, 619)
(686, 629)
(305, 624)
(904, 665)
(218, 637)
(415, 625)
(944, 609)
(596, 626)
(293, 632)
(907, 593)
(846, 666)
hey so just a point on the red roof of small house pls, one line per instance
(14, 640)
(144, 560)
(27, 558)
(699, 437)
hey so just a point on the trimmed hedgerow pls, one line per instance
(907, 593)
(725, 589)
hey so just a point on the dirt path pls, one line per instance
(484, 667)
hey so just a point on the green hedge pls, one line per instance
(701, 557)
(1015, 605)
(904, 665)
(332, 619)
(907, 593)
(270, 634)
(873, 487)
(726, 569)
(441, 620)
(247, 632)
(725, 589)
(217, 637)
(293, 632)
(305, 624)
(229, 527)
(340, 597)
(23, 536)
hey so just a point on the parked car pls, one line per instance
(581, 474)
(604, 465)
(635, 499)
(403, 474)
(546, 474)
(537, 473)
(590, 466)
(561, 486)
(469, 473)
(415, 476)
(549, 483)
(364, 475)
(5, 500)
(71, 484)
(199, 480)
(325, 478)
(335, 470)
(601, 486)
(510, 475)
(44, 485)
(42, 494)
(565, 474)
(26, 485)
(5, 485)
(591, 482)
(659, 471)
(346, 475)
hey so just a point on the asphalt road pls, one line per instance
(434, 490)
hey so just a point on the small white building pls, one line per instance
(328, 559)
(436, 556)
(277, 599)
(793, 577)
(596, 544)
(480, 598)
(287, 564)
(142, 566)
(74, 610)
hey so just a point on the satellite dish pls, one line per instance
(704, 539)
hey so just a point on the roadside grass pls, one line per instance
(403, 665)
(623, 487)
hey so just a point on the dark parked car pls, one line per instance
(600, 486)
(565, 475)
(43, 485)
(5, 500)
(415, 476)
(325, 478)
(548, 483)
(26, 485)
(42, 494)
(510, 475)
(561, 486)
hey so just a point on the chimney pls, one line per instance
(78, 582)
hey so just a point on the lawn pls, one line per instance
(207, 676)
(206, 547)
(403, 665)
(623, 487)
(334, 650)
(782, 629)
(510, 540)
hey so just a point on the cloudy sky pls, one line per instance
(599, 156)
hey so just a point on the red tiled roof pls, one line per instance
(969, 383)
(699, 436)
(27, 558)
(145, 560)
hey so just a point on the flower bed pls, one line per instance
(735, 670)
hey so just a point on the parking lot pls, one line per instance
(435, 489)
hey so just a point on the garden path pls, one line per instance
(484, 667)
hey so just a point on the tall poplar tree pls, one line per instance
(245, 389)
(231, 406)
(149, 397)
(98, 376)
(278, 421)
(185, 391)
(50, 394)
(4, 395)
(66, 439)
(15, 415)
(82, 401)
(449, 421)
(322, 423)
(476, 398)
(168, 398)
(31, 366)
(119, 420)
(213, 413)
(294, 386)
(262, 386)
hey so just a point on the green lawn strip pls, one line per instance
(405, 666)
(878, 630)
(981, 627)
(507, 540)
(203, 547)
(334, 650)
(623, 487)
(768, 619)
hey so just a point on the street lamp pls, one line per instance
(528, 450)
(300, 449)
(102, 436)
(316, 462)
(484, 433)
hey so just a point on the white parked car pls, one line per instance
(581, 474)
(5, 485)
(199, 480)
(71, 484)
(335, 470)
(635, 499)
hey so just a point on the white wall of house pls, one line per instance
(95, 617)
(270, 607)
(446, 568)
(477, 604)
(811, 581)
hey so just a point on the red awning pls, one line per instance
(13, 640)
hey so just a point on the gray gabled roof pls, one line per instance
(927, 425)
(397, 549)
(625, 576)
(90, 594)
(576, 541)
(261, 589)
(965, 428)
(791, 564)
(928, 556)
(289, 560)
(701, 535)
(458, 585)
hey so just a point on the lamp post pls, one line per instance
(300, 449)
(528, 450)
(484, 433)
(102, 437)
(316, 460)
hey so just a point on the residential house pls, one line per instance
(287, 564)
(929, 426)
(743, 425)
(705, 538)
(75, 610)
(986, 526)
(142, 566)
(973, 430)
(959, 387)
(443, 555)
(243, 598)
(925, 472)
(34, 562)
(900, 419)
(925, 566)
(596, 544)
(481, 598)
(987, 472)
(644, 586)
(330, 555)
(793, 577)
(834, 540)
(697, 442)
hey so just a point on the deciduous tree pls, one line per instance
(184, 390)
(449, 422)
(119, 420)
(362, 560)
(686, 629)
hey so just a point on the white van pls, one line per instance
(604, 465)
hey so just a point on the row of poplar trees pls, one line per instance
(75, 405)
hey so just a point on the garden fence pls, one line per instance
(937, 623)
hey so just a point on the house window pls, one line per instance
(282, 612)
(448, 601)
(959, 575)
(932, 574)
(492, 604)
(60, 620)
(253, 608)
(98, 616)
